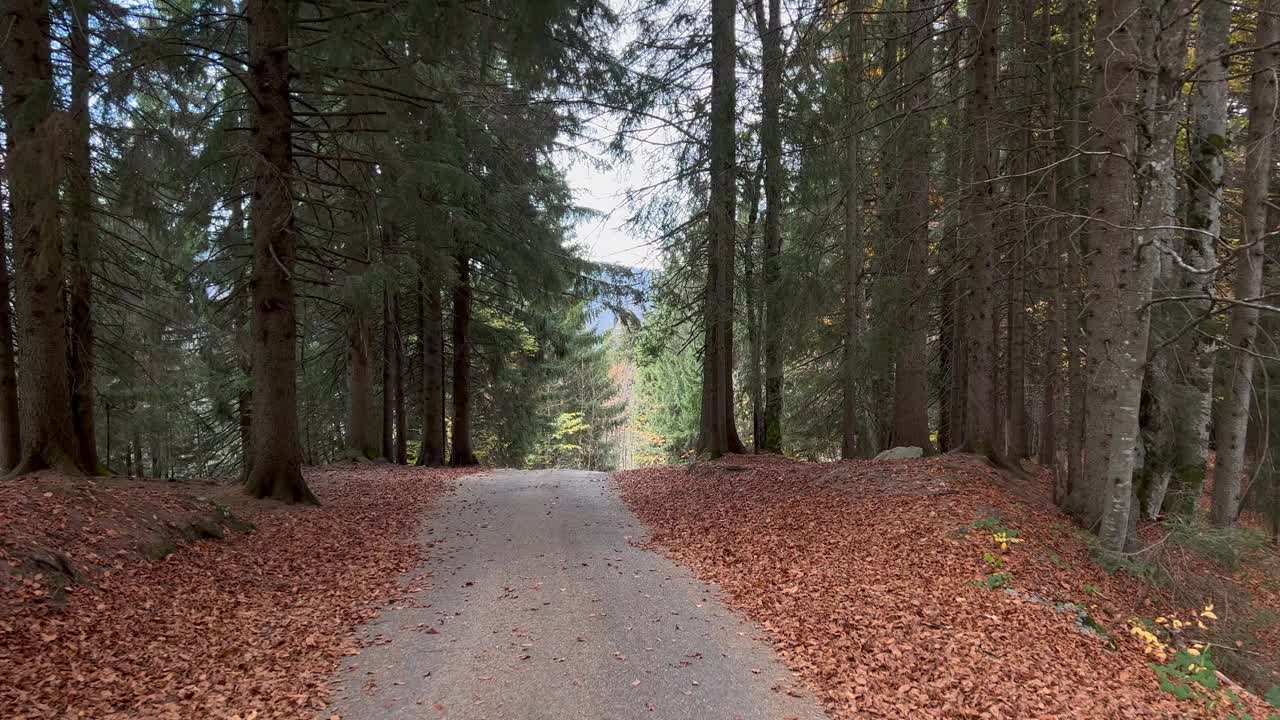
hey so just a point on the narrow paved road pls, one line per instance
(538, 605)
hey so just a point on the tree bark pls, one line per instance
(276, 470)
(1165, 45)
(952, 402)
(979, 329)
(83, 240)
(360, 423)
(1077, 245)
(395, 447)
(48, 426)
(754, 310)
(911, 376)
(1119, 272)
(1054, 260)
(718, 433)
(10, 436)
(855, 250)
(771, 148)
(462, 454)
(1189, 391)
(1231, 422)
(431, 334)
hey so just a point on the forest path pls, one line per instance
(539, 606)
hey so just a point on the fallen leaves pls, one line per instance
(863, 574)
(253, 625)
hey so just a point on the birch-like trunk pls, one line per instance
(1119, 270)
(1232, 419)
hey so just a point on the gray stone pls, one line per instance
(901, 453)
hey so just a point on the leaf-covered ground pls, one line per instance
(249, 626)
(869, 578)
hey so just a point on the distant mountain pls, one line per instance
(603, 314)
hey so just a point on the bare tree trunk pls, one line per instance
(952, 408)
(1165, 45)
(1232, 418)
(1189, 392)
(431, 334)
(462, 454)
(276, 470)
(48, 427)
(911, 376)
(855, 251)
(83, 236)
(10, 436)
(1053, 288)
(388, 394)
(771, 148)
(754, 311)
(718, 433)
(1119, 269)
(392, 386)
(979, 328)
(360, 423)
(1073, 295)
(397, 373)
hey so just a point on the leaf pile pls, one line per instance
(874, 596)
(247, 627)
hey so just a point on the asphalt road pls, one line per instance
(539, 605)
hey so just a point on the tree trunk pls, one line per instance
(951, 409)
(431, 334)
(10, 436)
(276, 470)
(48, 426)
(1165, 45)
(1189, 392)
(360, 424)
(393, 355)
(1054, 261)
(1119, 271)
(1231, 422)
(911, 376)
(979, 329)
(771, 148)
(462, 454)
(718, 433)
(83, 236)
(855, 250)
(754, 310)
(1077, 244)
(392, 387)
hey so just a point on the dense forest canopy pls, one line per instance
(241, 237)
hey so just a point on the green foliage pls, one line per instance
(1273, 697)
(1185, 674)
(995, 581)
(1228, 546)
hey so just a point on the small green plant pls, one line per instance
(1189, 672)
(1094, 590)
(995, 525)
(995, 581)
(993, 561)
(1273, 697)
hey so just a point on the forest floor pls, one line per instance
(885, 586)
(146, 599)
(929, 588)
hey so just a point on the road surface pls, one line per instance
(539, 605)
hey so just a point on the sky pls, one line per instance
(606, 238)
